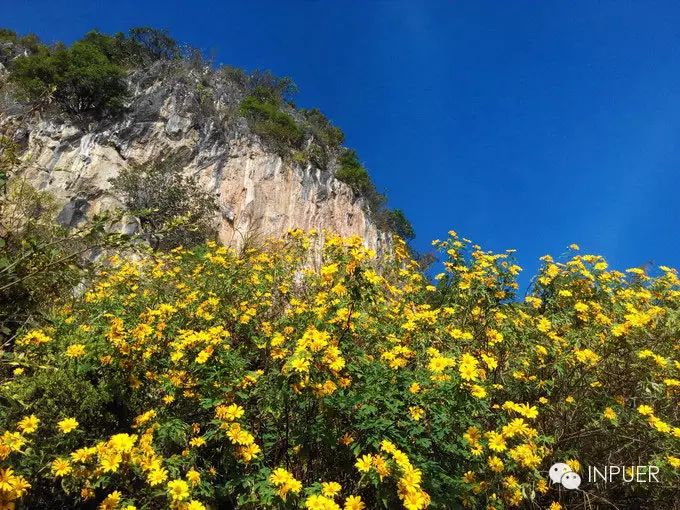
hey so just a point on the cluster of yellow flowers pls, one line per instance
(408, 478)
(119, 453)
(312, 373)
(12, 487)
(285, 482)
(247, 449)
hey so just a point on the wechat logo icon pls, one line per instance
(562, 473)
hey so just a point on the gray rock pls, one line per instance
(74, 212)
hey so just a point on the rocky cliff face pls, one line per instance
(193, 113)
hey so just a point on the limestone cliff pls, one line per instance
(191, 111)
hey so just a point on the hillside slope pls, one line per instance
(188, 109)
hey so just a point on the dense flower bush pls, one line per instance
(324, 378)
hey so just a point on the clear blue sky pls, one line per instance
(526, 125)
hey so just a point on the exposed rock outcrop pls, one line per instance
(191, 113)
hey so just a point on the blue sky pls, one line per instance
(522, 124)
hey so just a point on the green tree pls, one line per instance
(398, 223)
(262, 109)
(41, 262)
(173, 209)
(81, 78)
(352, 172)
(157, 44)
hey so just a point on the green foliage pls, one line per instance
(157, 44)
(235, 75)
(8, 160)
(253, 380)
(29, 42)
(8, 35)
(398, 223)
(89, 75)
(81, 78)
(324, 139)
(275, 88)
(41, 262)
(353, 173)
(262, 109)
(322, 130)
(174, 210)
(9, 40)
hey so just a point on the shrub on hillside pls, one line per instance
(322, 130)
(173, 208)
(353, 173)
(80, 78)
(263, 111)
(210, 379)
(39, 260)
(87, 76)
(397, 222)
(154, 43)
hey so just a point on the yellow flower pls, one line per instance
(574, 465)
(157, 476)
(203, 356)
(67, 425)
(318, 502)
(330, 489)
(197, 441)
(83, 454)
(61, 467)
(229, 413)
(195, 505)
(381, 466)
(178, 490)
(467, 372)
(587, 357)
(7, 480)
(29, 424)
(34, 337)
(300, 364)
(193, 476)
(609, 413)
(354, 503)
(542, 487)
(111, 501)
(75, 350)
(279, 476)
(478, 391)
(364, 463)
(645, 410)
(110, 462)
(495, 464)
(347, 439)
(416, 413)
(496, 441)
(249, 452)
